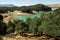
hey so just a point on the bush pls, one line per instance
(50, 24)
(10, 27)
(1, 18)
(3, 28)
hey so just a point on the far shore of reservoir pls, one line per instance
(8, 17)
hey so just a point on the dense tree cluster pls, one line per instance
(26, 9)
(40, 7)
(6, 9)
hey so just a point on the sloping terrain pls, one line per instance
(54, 5)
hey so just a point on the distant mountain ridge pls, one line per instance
(11, 5)
(54, 5)
(7, 5)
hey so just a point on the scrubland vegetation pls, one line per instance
(48, 24)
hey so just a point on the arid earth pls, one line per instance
(16, 36)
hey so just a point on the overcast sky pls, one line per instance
(29, 2)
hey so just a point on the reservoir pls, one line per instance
(25, 17)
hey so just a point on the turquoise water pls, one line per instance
(24, 18)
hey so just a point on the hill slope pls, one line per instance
(54, 5)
